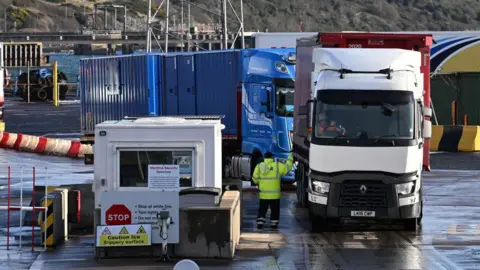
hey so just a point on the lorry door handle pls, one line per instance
(420, 145)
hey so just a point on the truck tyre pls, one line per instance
(419, 220)
(299, 184)
(300, 176)
(256, 159)
(411, 224)
(41, 94)
(317, 224)
(227, 169)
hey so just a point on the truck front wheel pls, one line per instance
(300, 178)
(319, 224)
(411, 224)
(227, 168)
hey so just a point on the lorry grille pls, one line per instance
(375, 194)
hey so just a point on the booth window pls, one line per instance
(134, 166)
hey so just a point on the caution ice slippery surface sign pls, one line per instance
(144, 207)
(124, 235)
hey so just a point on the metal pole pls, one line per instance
(125, 18)
(182, 26)
(55, 84)
(33, 210)
(95, 19)
(8, 210)
(28, 81)
(225, 37)
(105, 18)
(149, 37)
(241, 17)
(166, 26)
(21, 205)
(188, 28)
(115, 19)
(46, 210)
(5, 18)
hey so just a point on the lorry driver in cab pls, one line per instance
(329, 127)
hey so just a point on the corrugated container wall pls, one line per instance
(203, 83)
(218, 76)
(112, 88)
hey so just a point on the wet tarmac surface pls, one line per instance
(448, 239)
(41, 118)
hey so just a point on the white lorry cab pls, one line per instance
(360, 131)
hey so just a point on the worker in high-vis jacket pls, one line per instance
(267, 175)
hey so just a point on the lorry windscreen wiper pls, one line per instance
(340, 136)
(385, 136)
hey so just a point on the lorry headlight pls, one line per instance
(281, 67)
(320, 187)
(405, 188)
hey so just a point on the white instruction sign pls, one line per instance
(145, 206)
(164, 177)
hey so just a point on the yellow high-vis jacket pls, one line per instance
(267, 175)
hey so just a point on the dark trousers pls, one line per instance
(274, 215)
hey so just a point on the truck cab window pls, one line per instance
(364, 115)
(284, 101)
(134, 166)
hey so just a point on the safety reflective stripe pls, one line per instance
(268, 178)
(274, 221)
(269, 191)
(260, 220)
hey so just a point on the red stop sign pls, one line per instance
(118, 214)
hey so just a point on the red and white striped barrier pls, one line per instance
(42, 145)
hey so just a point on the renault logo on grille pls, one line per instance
(363, 189)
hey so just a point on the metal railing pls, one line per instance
(21, 208)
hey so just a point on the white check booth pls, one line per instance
(141, 166)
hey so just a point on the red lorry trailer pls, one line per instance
(416, 42)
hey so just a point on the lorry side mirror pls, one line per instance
(427, 111)
(304, 109)
(427, 129)
(303, 127)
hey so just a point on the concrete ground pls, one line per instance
(448, 239)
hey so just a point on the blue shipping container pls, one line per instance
(196, 83)
(115, 87)
(203, 83)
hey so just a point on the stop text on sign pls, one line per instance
(118, 217)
